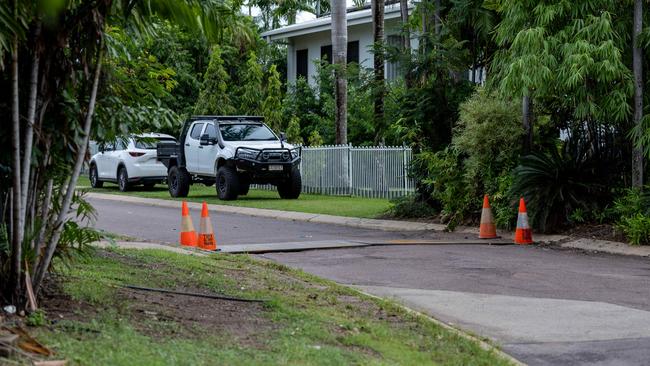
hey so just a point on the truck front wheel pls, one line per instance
(178, 181)
(291, 188)
(227, 183)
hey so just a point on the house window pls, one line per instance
(326, 53)
(393, 67)
(353, 52)
(302, 63)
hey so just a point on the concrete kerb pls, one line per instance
(483, 344)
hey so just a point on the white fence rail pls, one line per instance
(377, 171)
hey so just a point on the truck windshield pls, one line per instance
(246, 132)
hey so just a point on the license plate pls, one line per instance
(275, 167)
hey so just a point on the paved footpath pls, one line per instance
(544, 306)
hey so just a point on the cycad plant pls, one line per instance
(556, 183)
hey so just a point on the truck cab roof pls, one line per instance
(229, 119)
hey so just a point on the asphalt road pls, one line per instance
(543, 306)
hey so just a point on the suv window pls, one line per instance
(151, 143)
(120, 144)
(196, 131)
(211, 131)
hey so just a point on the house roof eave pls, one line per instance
(324, 24)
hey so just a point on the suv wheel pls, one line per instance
(123, 179)
(227, 183)
(291, 188)
(94, 177)
(178, 181)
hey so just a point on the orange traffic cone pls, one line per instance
(523, 235)
(488, 229)
(188, 235)
(206, 234)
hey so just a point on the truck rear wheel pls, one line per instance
(178, 181)
(291, 188)
(227, 183)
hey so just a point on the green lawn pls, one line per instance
(307, 320)
(311, 203)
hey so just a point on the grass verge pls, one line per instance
(310, 203)
(307, 320)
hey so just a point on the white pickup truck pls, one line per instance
(233, 152)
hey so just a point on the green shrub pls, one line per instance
(484, 150)
(36, 318)
(408, 207)
(631, 213)
(636, 228)
(489, 134)
(632, 201)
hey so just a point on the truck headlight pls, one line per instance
(294, 154)
(247, 154)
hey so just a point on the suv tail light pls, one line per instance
(136, 154)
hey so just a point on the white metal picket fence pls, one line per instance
(374, 171)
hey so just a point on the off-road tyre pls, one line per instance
(244, 185)
(93, 176)
(227, 183)
(178, 182)
(291, 188)
(123, 179)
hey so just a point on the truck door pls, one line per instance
(208, 153)
(192, 145)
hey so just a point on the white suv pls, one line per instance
(129, 161)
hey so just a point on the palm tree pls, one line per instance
(404, 11)
(637, 67)
(339, 56)
(378, 38)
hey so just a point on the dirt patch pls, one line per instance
(161, 315)
(60, 306)
(601, 232)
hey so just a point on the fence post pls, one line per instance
(405, 169)
(350, 169)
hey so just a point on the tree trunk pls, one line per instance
(379, 87)
(31, 119)
(339, 55)
(406, 35)
(17, 211)
(436, 18)
(637, 66)
(44, 263)
(527, 124)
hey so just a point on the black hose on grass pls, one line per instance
(194, 294)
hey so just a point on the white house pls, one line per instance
(309, 41)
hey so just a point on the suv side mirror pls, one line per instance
(206, 140)
(283, 136)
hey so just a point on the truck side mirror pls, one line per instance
(206, 140)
